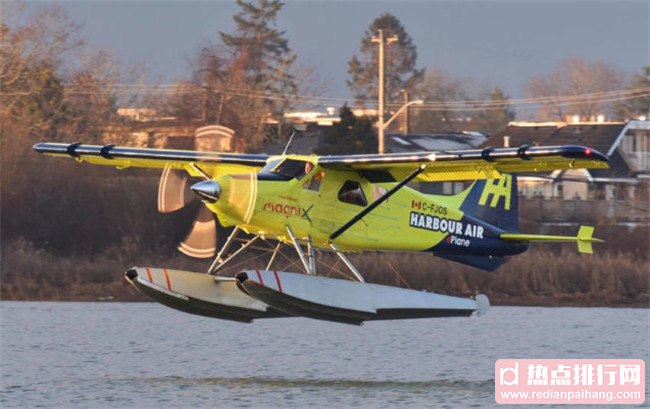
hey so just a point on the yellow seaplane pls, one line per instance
(350, 203)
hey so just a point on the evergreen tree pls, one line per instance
(261, 69)
(399, 59)
(261, 50)
(350, 135)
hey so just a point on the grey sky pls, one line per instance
(502, 42)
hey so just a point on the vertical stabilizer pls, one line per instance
(585, 237)
(494, 201)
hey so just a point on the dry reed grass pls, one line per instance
(538, 277)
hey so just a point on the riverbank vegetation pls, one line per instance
(541, 276)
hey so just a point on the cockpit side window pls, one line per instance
(314, 183)
(352, 193)
(292, 168)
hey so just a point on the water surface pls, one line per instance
(144, 355)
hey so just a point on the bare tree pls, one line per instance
(43, 98)
(94, 91)
(574, 76)
(227, 96)
(32, 91)
(638, 103)
(439, 89)
(34, 44)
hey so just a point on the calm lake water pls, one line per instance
(144, 355)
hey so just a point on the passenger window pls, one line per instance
(314, 183)
(352, 193)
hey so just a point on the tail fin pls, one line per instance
(494, 201)
(585, 238)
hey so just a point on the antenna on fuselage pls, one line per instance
(288, 143)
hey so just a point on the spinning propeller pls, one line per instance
(177, 191)
(174, 193)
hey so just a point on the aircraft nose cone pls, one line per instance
(208, 190)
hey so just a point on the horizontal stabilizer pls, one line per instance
(583, 239)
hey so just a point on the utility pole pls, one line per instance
(380, 109)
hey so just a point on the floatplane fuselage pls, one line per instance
(345, 203)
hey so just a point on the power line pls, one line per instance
(452, 106)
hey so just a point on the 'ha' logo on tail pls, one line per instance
(502, 188)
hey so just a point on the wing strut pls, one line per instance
(309, 264)
(348, 263)
(275, 253)
(219, 261)
(377, 202)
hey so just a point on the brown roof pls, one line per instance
(521, 135)
(596, 136)
(600, 137)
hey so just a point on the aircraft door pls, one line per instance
(310, 200)
(343, 198)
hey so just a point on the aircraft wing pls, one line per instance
(473, 164)
(211, 163)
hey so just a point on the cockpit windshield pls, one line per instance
(291, 168)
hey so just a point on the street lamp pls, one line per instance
(383, 126)
(399, 111)
(405, 121)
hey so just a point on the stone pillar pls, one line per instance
(215, 138)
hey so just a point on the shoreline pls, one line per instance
(129, 295)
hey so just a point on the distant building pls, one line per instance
(138, 114)
(447, 141)
(619, 192)
(143, 127)
(302, 120)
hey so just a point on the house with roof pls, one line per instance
(447, 141)
(620, 192)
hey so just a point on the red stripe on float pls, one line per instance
(259, 277)
(169, 286)
(149, 274)
(277, 280)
